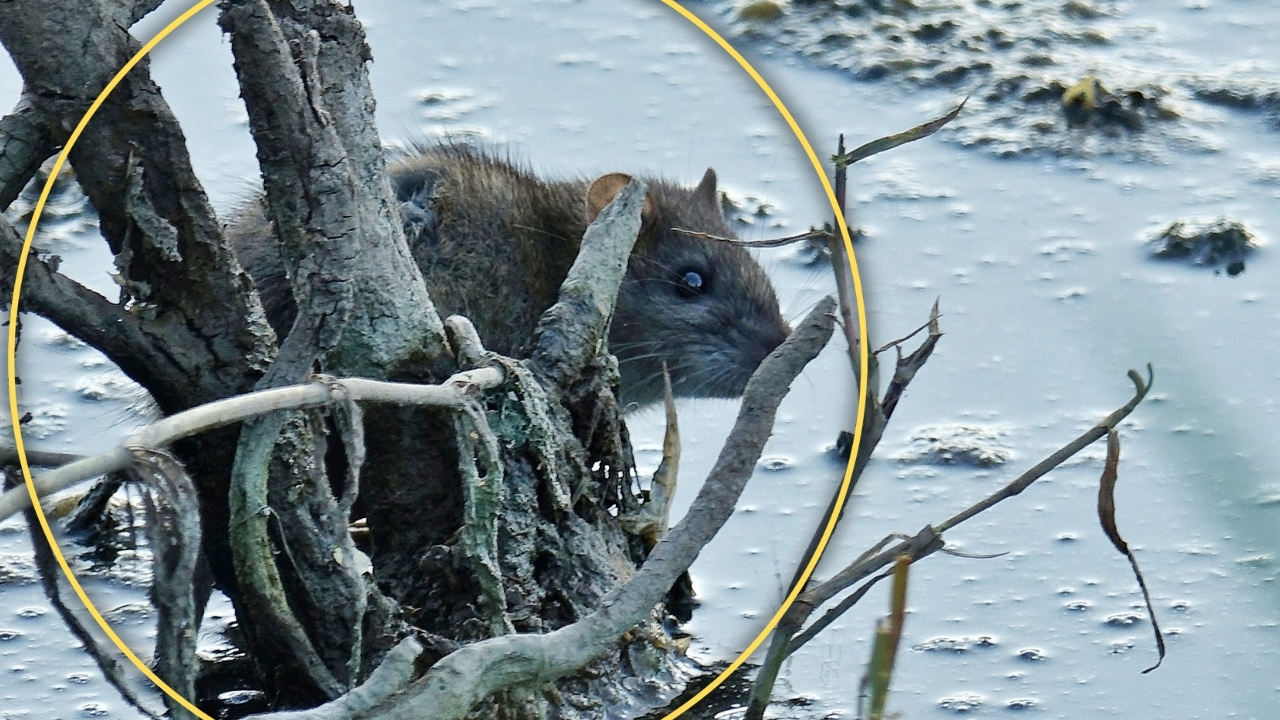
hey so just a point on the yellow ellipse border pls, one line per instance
(863, 357)
(13, 342)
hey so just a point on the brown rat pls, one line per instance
(494, 243)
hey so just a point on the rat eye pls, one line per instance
(691, 283)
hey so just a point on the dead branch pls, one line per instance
(125, 337)
(905, 368)
(450, 394)
(569, 334)
(37, 458)
(876, 413)
(25, 143)
(334, 214)
(133, 165)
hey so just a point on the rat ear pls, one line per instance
(605, 189)
(706, 190)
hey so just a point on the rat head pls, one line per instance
(705, 307)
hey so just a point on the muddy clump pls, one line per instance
(1218, 244)
(956, 444)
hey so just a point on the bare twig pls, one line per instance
(905, 369)
(876, 412)
(232, 410)
(930, 324)
(924, 540)
(833, 614)
(38, 458)
(811, 234)
(1141, 387)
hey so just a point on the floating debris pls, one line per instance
(1089, 104)
(1213, 243)
(956, 445)
(956, 645)
(761, 11)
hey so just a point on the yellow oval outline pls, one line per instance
(863, 357)
(12, 371)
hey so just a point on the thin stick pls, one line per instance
(450, 393)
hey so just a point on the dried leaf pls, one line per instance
(1107, 518)
(889, 142)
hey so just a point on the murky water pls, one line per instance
(1029, 231)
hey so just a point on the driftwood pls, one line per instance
(491, 486)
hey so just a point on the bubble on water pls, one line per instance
(963, 703)
(775, 463)
(1124, 619)
(1119, 647)
(111, 385)
(63, 340)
